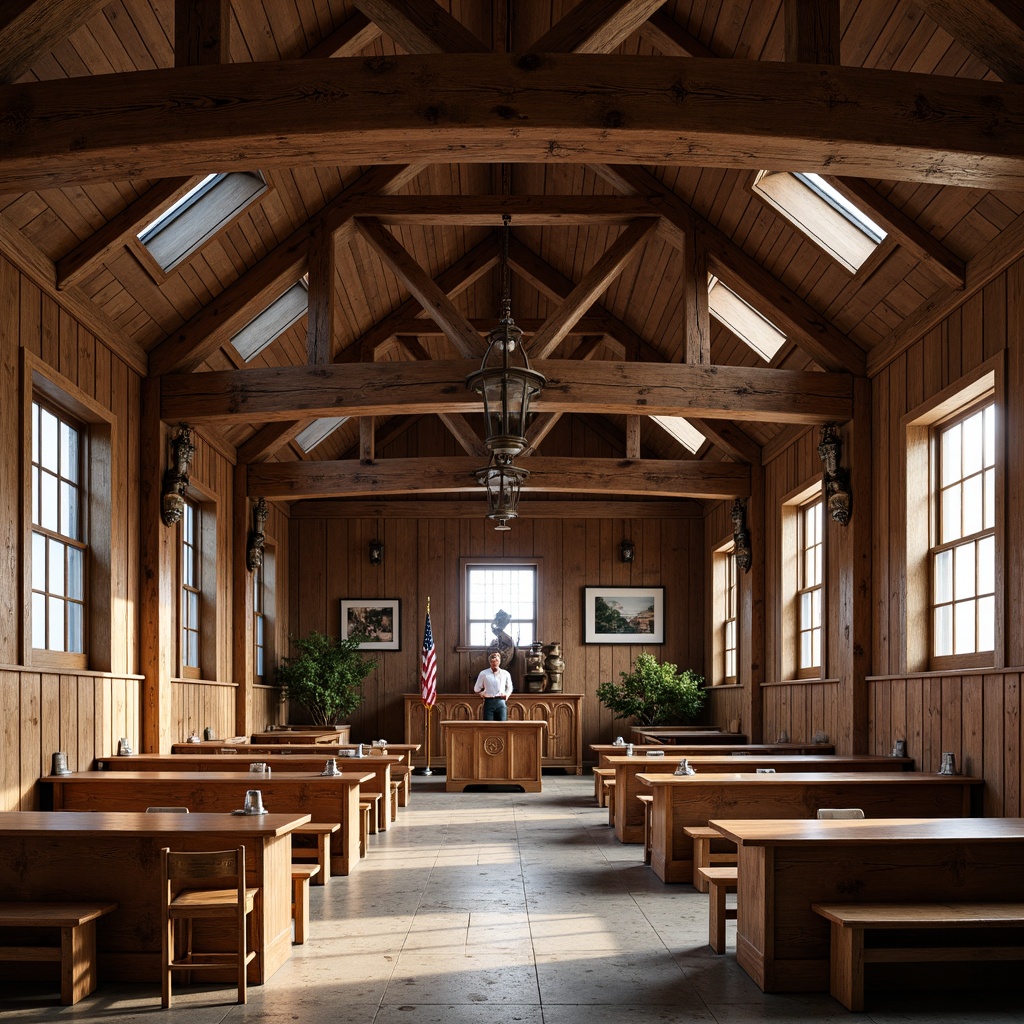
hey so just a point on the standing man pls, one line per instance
(496, 685)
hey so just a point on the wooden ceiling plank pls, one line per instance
(738, 114)
(421, 26)
(816, 334)
(648, 477)
(812, 31)
(201, 32)
(993, 30)
(593, 283)
(433, 298)
(31, 28)
(596, 26)
(417, 388)
(234, 307)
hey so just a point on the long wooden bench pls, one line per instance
(647, 800)
(850, 922)
(600, 775)
(720, 881)
(703, 855)
(76, 953)
(321, 832)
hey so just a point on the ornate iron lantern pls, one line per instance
(503, 482)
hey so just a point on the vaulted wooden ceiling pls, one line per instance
(622, 136)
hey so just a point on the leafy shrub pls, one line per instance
(655, 693)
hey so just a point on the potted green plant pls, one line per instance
(325, 677)
(655, 693)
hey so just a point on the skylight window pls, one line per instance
(682, 430)
(319, 430)
(272, 322)
(825, 216)
(186, 225)
(743, 320)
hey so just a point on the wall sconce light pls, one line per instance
(257, 538)
(172, 500)
(376, 552)
(627, 550)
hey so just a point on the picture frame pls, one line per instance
(624, 615)
(379, 618)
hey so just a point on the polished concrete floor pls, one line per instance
(496, 907)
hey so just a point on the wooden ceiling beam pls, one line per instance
(201, 29)
(423, 287)
(550, 108)
(416, 388)
(664, 33)
(578, 508)
(591, 285)
(424, 327)
(487, 211)
(812, 31)
(993, 30)
(696, 309)
(350, 38)
(421, 26)
(289, 481)
(813, 332)
(322, 263)
(31, 28)
(596, 26)
(233, 308)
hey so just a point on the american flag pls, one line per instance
(428, 667)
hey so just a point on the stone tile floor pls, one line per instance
(499, 907)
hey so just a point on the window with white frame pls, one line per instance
(59, 549)
(725, 600)
(963, 555)
(191, 588)
(258, 625)
(264, 602)
(190, 222)
(491, 587)
(810, 566)
(823, 214)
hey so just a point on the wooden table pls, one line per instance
(65, 855)
(738, 750)
(379, 766)
(629, 812)
(785, 866)
(493, 753)
(681, 801)
(339, 734)
(683, 734)
(323, 798)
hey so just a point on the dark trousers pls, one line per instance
(495, 709)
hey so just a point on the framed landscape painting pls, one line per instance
(377, 620)
(624, 615)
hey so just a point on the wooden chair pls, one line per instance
(840, 812)
(222, 893)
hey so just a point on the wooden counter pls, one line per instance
(682, 801)
(115, 856)
(339, 734)
(562, 743)
(493, 753)
(324, 798)
(379, 765)
(785, 866)
(629, 812)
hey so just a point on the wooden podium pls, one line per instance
(507, 753)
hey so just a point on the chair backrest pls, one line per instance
(167, 810)
(226, 866)
(840, 812)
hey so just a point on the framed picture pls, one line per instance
(624, 615)
(377, 620)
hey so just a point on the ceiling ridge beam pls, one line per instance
(596, 26)
(860, 122)
(454, 474)
(579, 508)
(421, 26)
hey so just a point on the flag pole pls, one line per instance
(428, 707)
